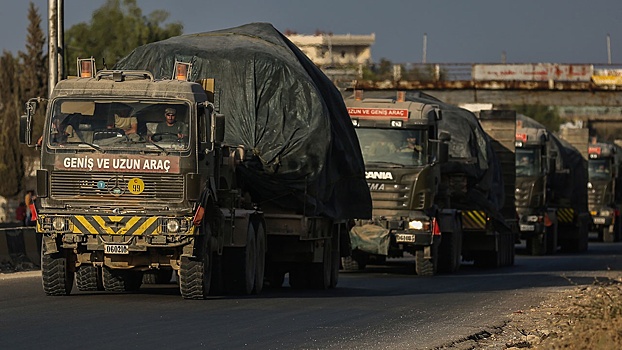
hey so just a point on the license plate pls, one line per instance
(116, 249)
(599, 221)
(524, 227)
(403, 237)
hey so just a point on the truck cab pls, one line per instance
(533, 165)
(402, 152)
(119, 199)
(604, 190)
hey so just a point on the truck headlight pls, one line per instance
(61, 224)
(605, 213)
(415, 225)
(533, 218)
(172, 225)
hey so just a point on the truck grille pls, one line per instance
(391, 197)
(100, 186)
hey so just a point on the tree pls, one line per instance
(22, 77)
(545, 115)
(115, 30)
(11, 164)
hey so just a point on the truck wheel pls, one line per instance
(260, 265)
(427, 266)
(321, 273)
(119, 281)
(536, 245)
(355, 262)
(195, 274)
(335, 260)
(551, 239)
(449, 258)
(89, 278)
(56, 274)
(239, 265)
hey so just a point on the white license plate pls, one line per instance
(524, 227)
(599, 221)
(402, 237)
(116, 249)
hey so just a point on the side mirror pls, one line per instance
(25, 130)
(25, 122)
(219, 128)
(443, 152)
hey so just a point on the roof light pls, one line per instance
(401, 96)
(358, 95)
(182, 70)
(397, 123)
(86, 67)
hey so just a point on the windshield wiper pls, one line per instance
(394, 165)
(95, 147)
(158, 146)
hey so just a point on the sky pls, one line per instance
(457, 31)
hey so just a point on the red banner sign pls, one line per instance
(391, 113)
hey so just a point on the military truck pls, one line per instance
(605, 189)
(223, 212)
(551, 190)
(422, 181)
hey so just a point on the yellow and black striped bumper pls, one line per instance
(473, 220)
(565, 215)
(113, 225)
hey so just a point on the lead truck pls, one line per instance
(209, 207)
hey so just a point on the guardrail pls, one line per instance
(20, 247)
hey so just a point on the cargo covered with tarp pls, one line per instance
(281, 108)
(568, 183)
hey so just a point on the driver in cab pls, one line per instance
(171, 129)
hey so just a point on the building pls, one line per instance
(330, 50)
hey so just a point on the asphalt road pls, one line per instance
(384, 307)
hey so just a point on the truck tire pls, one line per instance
(260, 265)
(240, 265)
(355, 262)
(320, 274)
(335, 259)
(537, 245)
(56, 274)
(450, 249)
(89, 278)
(425, 266)
(119, 281)
(551, 239)
(195, 273)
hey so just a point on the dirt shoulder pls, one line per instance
(583, 317)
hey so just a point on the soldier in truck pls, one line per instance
(171, 129)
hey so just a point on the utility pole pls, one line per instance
(608, 48)
(425, 48)
(52, 45)
(55, 43)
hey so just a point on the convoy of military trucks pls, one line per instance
(277, 174)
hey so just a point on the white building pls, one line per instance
(335, 50)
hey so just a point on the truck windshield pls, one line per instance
(527, 162)
(599, 169)
(400, 146)
(132, 125)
